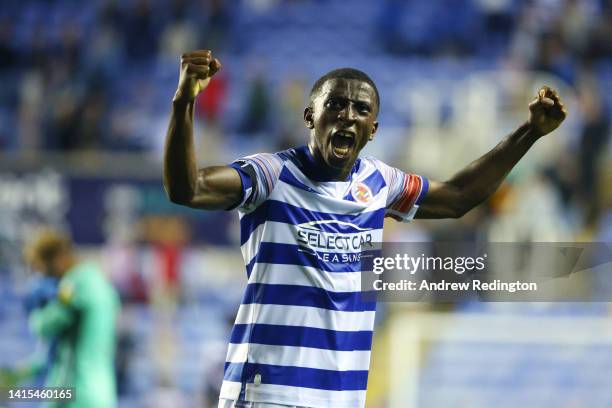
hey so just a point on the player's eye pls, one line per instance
(334, 103)
(363, 108)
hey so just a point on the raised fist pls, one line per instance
(546, 111)
(197, 68)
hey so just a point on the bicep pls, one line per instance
(217, 188)
(443, 200)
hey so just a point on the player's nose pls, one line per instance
(348, 113)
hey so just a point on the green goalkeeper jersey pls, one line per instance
(82, 321)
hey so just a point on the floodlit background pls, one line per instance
(85, 93)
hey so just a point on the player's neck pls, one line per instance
(333, 173)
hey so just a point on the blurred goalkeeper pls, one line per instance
(80, 321)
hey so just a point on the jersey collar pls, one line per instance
(311, 169)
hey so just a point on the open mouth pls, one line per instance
(341, 142)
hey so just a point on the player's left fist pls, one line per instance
(546, 111)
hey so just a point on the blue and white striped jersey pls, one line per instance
(303, 334)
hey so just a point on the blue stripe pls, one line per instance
(298, 336)
(247, 185)
(273, 210)
(288, 177)
(288, 254)
(424, 189)
(233, 372)
(349, 380)
(374, 181)
(250, 265)
(298, 295)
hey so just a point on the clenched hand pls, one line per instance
(546, 111)
(197, 68)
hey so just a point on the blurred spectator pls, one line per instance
(574, 23)
(30, 111)
(210, 104)
(292, 130)
(218, 23)
(594, 138)
(42, 291)
(37, 48)
(179, 34)
(256, 117)
(81, 319)
(396, 38)
(600, 45)
(498, 16)
(62, 116)
(105, 48)
(70, 47)
(168, 237)
(140, 32)
(553, 56)
(8, 54)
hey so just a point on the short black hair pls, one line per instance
(344, 73)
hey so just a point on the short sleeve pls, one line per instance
(259, 173)
(406, 191)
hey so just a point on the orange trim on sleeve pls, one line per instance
(412, 189)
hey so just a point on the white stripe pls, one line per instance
(310, 397)
(322, 202)
(305, 316)
(230, 390)
(277, 274)
(405, 217)
(286, 193)
(299, 356)
(250, 247)
(237, 353)
(365, 170)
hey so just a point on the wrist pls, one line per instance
(181, 103)
(532, 131)
(180, 99)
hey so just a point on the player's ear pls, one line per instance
(309, 118)
(374, 128)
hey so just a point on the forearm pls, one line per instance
(51, 320)
(482, 177)
(180, 167)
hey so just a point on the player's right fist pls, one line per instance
(197, 67)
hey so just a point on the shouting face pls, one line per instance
(342, 119)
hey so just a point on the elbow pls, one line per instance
(178, 197)
(465, 206)
(460, 212)
(461, 208)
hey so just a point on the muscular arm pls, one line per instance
(210, 188)
(476, 182)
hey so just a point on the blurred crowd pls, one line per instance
(100, 76)
(454, 76)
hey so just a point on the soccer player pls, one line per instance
(81, 320)
(302, 336)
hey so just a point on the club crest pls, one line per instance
(361, 193)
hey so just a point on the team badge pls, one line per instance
(361, 193)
